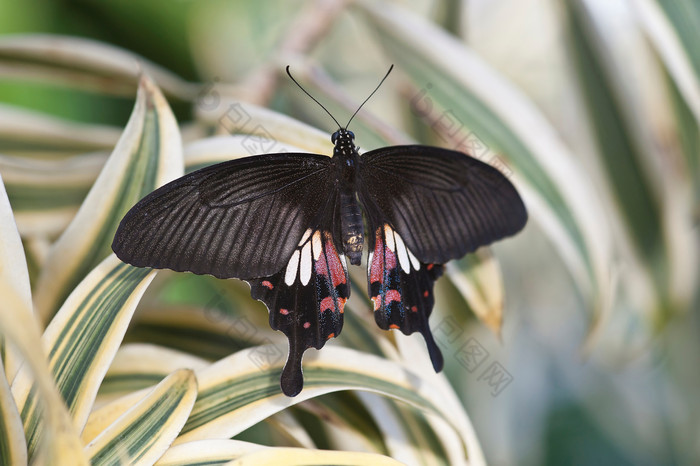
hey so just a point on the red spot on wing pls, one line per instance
(389, 297)
(327, 304)
(392, 295)
(267, 284)
(330, 336)
(426, 293)
(383, 258)
(414, 309)
(430, 266)
(394, 326)
(307, 324)
(284, 312)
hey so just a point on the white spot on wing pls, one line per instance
(317, 245)
(369, 261)
(389, 238)
(305, 236)
(402, 253)
(305, 265)
(414, 260)
(342, 260)
(291, 274)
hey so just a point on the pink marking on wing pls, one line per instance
(307, 324)
(284, 312)
(383, 258)
(329, 261)
(334, 264)
(267, 284)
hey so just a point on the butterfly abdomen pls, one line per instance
(352, 227)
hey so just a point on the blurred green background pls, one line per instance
(581, 388)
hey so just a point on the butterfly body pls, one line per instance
(346, 160)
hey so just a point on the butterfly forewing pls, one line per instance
(443, 203)
(306, 298)
(240, 219)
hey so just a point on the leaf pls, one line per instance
(83, 338)
(148, 154)
(652, 204)
(243, 389)
(238, 452)
(13, 449)
(83, 63)
(298, 456)
(459, 92)
(478, 278)
(206, 452)
(137, 366)
(18, 327)
(46, 194)
(14, 274)
(144, 432)
(674, 29)
(268, 130)
(26, 132)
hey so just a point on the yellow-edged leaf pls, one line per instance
(279, 456)
(13, 273)
(13, 447)
(137, 366)
(83, 63)
(237, 392)
(148, 154)
(83, 338)
(29, 133)
(19, 328)
(478, 278)
(267, 130)
(143, 433)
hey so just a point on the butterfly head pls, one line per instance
(341, 135)
(344, 142)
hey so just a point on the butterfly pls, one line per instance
(288, 223)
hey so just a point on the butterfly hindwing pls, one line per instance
(241, 218)
(401, 287)
(306, 299)
(444, 203)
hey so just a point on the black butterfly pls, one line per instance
(286, 222)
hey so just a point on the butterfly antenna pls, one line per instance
(312, 97)
(370, 96)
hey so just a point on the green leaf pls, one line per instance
(148, 155)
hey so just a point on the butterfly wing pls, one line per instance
(306, 298)
(241, 218)
(425, 206)
(443, 203)
(401, 287)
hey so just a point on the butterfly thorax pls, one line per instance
(346, 160)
